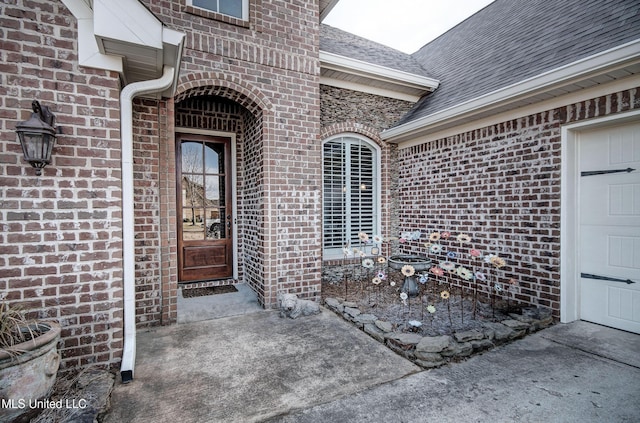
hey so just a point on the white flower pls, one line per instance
(431, 309)
(435, 248)
(408, 270)
(368, 263)
(403, 296)
(376, 281)
(347, 252)
(377, 239)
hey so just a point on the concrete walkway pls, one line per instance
(259, 367)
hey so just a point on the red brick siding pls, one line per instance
(61, 238)
(501, 185)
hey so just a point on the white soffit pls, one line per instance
(345, 72)
(611, 65)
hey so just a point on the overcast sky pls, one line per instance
(405, 25)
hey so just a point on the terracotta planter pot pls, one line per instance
(28, 375)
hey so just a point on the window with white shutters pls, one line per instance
(350, 192)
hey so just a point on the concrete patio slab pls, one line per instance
(559, 374)
(249, 368)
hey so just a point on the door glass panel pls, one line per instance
(191, 157)
(192, 191)
(193, 223)
(214, 224)
(214, 158)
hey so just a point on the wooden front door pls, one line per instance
(204, 207)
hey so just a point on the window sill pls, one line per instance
(216, 16)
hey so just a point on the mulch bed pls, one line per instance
(210, 290)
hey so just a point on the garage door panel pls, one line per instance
(609, 239)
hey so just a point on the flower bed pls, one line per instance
(431, 309)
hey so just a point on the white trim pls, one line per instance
(378, 188)
(376, 72)
(608, 60)
(234, 190)
(570, 210)
(553, 103)
(88, 52)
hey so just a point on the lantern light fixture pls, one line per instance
(38, 136)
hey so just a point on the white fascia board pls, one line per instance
(381, 73)
(88, 52)
(573, 72)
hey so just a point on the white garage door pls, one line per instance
(609, 235)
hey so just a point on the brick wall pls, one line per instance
(60, 244)
(269, 66)
(501, 185)
(348, 111)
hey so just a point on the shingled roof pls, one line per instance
(337, 41)
(510, 41)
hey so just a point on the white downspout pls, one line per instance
(126, 130)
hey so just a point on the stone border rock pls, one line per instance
(434, 351)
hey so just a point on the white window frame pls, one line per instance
(349, 139)
(245, 9)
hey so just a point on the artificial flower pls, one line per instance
(427, 245)
(392, 283)
(415, 323)
(464, 238)
(431, 309)
(475, 253)
(408, 270)
(436, 271)
(452, 255)
(382, 275)
(512, 281)
(497, 261)
(435, 236)
(435, 249)
(444, 295)
(377, 239)
(402, 240)
(376, 281)
(498, 287)
(464, 273)
(363, 236)
(488, 257)
(347, 252)
(423, 278)
(368, 263)
(382, 260)
(403, 296)
(362, 254)
(480, 276)
(448, 266)
(445, 234)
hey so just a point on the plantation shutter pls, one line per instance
(349, 189)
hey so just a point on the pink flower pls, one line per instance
(436, 271)
(475, 253)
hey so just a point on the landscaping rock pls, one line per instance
(500, 332)
(470, 335)
(374, 332)
(427, 356)
(515, 324)
(365, 318)
(384, 326)
(334, 304)
(429, 364)
(481, 345)
(352, 312)
(408, 339)
(457, 349)
(350, 304)
(433, 344)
